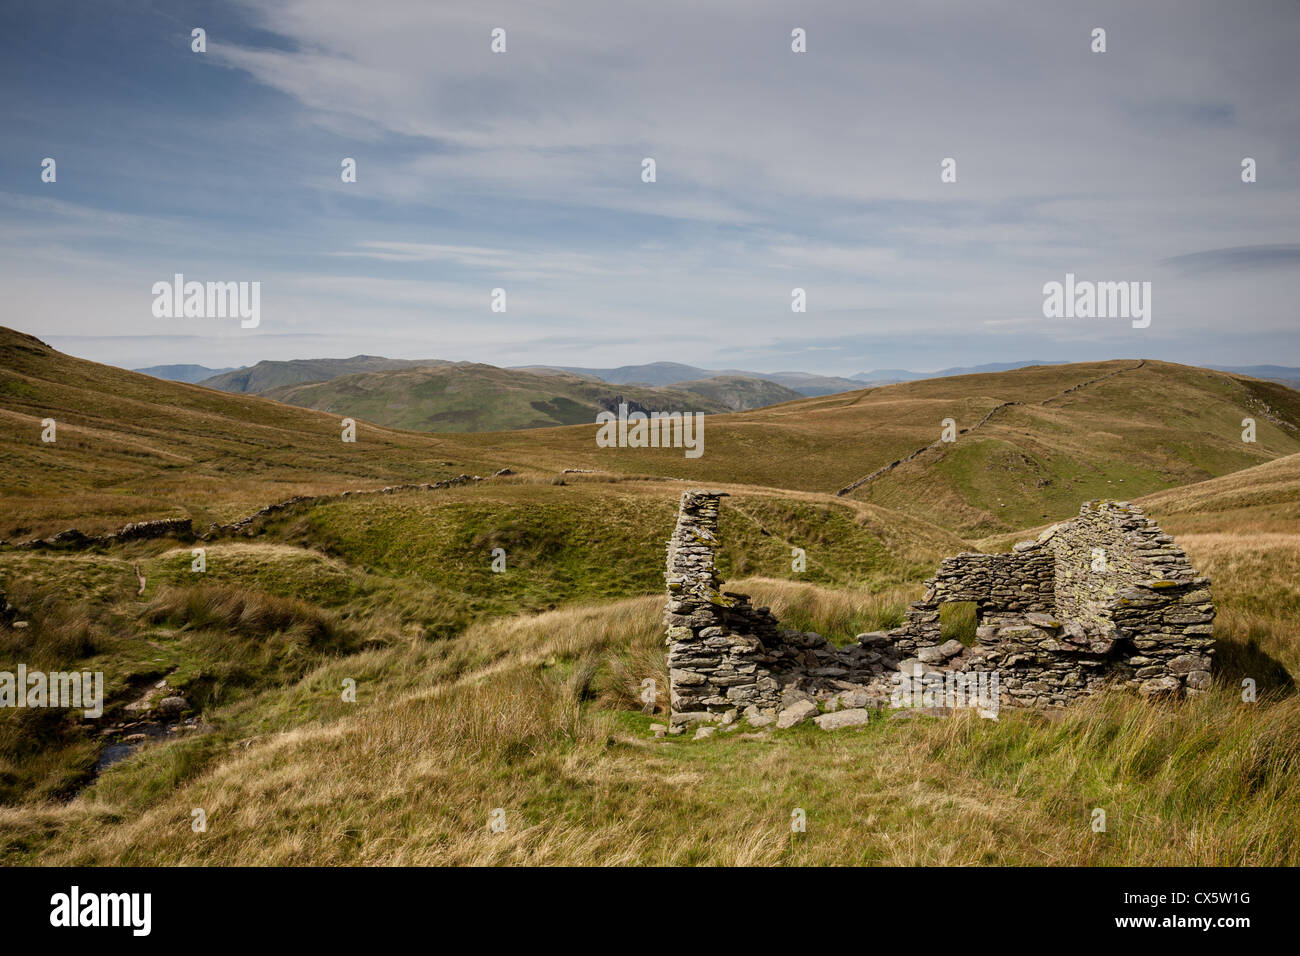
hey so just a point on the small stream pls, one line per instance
(118, 750)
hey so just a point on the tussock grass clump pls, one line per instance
(957, 622)
(245, 638)
(55, 634)
(1206, 781)
(249, 613)
(514, 714)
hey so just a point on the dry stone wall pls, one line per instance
(1004, 587)
(1104, 597)
(247, 526)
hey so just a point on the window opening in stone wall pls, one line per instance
(957, 622)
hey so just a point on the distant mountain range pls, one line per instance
(466, 397)
(805, 383)
(439, 395)
(670, 373)
(265, 376)
(182, 373)
(272, 374)
(887, 376)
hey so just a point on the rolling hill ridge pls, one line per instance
(267, 375)
(1031, 443)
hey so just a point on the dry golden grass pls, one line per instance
(539, 716)
(1264, 500)
(838, 615)
(1256, 584)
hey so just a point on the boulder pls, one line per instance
(930, 655)
(173, 706)
(796, 714)
(873, 638)
(856, 699)
(792, 695)
(686, 718)
(843, 718)
(1160, 686)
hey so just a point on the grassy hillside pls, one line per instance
(465, 397)
(1119, 429)
(1137, 431)
(130, 447)
(1075, 432)
(1255, 501)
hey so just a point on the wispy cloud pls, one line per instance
(774, 170)
(1236, 259)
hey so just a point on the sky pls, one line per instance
(774, 170)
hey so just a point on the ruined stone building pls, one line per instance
(1105, 597)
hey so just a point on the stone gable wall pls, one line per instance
(1109, 545)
